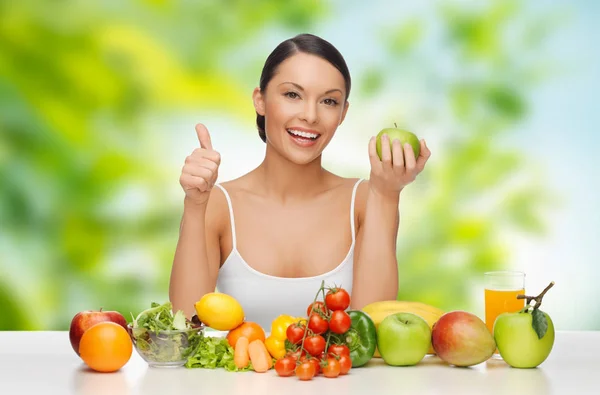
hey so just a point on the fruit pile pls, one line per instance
(330, 340)
(100, 338)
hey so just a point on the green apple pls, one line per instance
(403, 339)
(403, 135)
(519, 343)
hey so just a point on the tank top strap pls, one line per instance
(352, 208)
(231, 219)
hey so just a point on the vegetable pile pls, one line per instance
(331, 341)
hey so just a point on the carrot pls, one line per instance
(240, 353)
(260, 357)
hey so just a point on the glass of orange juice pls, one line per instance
(501, 290)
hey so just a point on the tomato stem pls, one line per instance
(312, 308)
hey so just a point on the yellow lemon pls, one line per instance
(219, 311)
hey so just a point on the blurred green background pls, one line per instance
(98, 102)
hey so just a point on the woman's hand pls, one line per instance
(200, 171)
(397, 168)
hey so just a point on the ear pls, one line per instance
(259, 101)
(346, 105)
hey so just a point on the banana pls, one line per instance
(379, 310)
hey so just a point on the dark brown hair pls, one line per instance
(305, 43)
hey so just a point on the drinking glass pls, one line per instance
(501, 290)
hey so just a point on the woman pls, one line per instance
(270, 237)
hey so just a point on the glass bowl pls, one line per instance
(165, 348)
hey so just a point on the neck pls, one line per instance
(287, 181)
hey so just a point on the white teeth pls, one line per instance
(303, 134)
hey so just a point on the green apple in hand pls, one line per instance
(403, 135)
(525, 338)
(403, 339)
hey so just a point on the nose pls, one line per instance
(310, 114)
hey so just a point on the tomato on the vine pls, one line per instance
(337, 299)
(296, 355)
(315, 361)
(340, 322)
(295, 333)
(314, 344)
(318, 307)
(305, 371)
(317, 324)
(285, 366)
(345, 364)
(331, 368)
(338, 349)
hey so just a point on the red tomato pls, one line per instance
(331, 368)
(318, 306)
(305, 371)
(340, 322)
(314, 361)
(296, 355)
(295, 333)
(285, 366)
(337, 299)
(345, 364)
(339, 349)
(317, 324)
(314, 344)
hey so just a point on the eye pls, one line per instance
(291, 95)
(330, 102)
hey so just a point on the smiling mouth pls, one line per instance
(303, 135)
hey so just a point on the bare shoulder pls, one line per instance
(217, 210)
(237, 185)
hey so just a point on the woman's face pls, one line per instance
(303, 105)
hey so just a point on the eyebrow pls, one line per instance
(302, 89)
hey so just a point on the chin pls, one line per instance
(302, 160)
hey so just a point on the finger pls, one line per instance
(203, 153)
(409, 158)
(373, 158)
(208, 164)
(214, 156)
(423, 156)
(203, 156)
(398, 155)
(197, 171)
(386, 151)
(203, 136)
(191, 182)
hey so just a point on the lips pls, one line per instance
(303, 134)
(303, 138)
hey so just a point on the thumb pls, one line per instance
(203, 136)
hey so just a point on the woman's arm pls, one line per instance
(197, 256)
(376, 266)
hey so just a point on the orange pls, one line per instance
(250, 330)
(105, 347)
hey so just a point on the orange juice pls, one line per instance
(501, 301)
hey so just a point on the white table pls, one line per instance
(44, 363)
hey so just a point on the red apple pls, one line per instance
(462, 339)
(85, 319)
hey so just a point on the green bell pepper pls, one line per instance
(361, 338)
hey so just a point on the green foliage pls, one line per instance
(76, 96)
(83, 203)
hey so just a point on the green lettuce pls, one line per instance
(212, 353)
(148, 330)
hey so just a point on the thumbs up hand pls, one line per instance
(200, 171)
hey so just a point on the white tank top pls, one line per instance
(263, 297)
